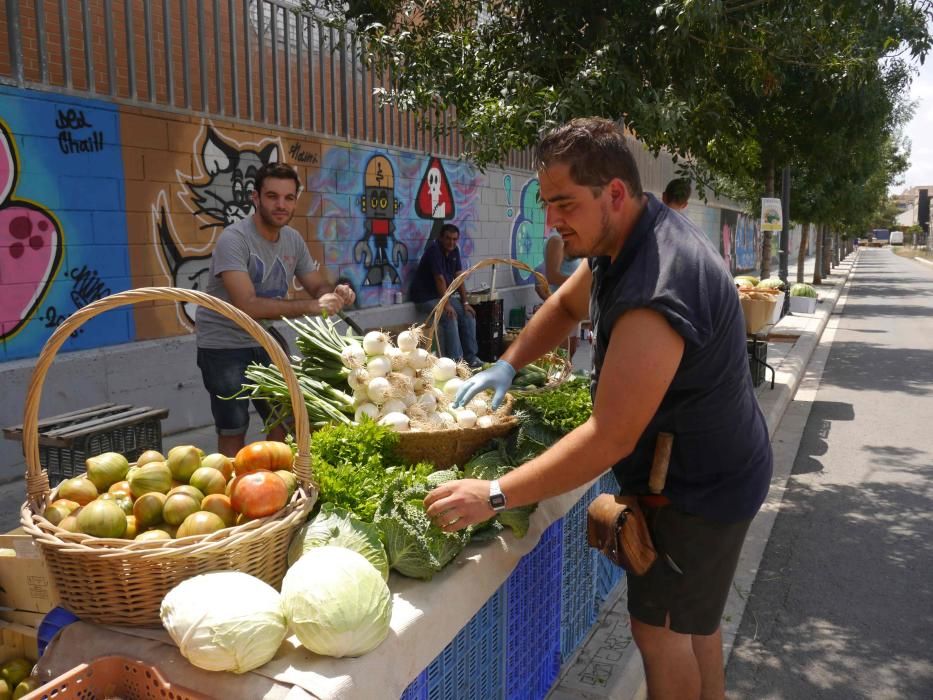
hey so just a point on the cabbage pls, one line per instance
(225, 621)
(337, 527)
(336, 602)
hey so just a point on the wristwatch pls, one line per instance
(496, 497)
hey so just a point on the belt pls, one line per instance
(653, 500)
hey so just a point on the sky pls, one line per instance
(920, 131)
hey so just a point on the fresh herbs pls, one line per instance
(560, 409)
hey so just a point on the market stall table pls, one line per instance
(426, 616)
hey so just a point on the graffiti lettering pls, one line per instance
(87, 287)
(53, 319)
(298, 155)
(72, 119)
(69, 144)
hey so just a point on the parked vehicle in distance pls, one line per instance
(897, 238)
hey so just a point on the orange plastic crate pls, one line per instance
(113, 677)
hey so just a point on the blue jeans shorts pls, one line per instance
(224, 372)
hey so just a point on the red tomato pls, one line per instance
(267, 455)
(258, 494)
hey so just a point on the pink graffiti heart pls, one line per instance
(30, 248)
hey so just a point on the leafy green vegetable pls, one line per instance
(562, 408)
(353, 466)
(492, 465)
(415, 546)
(336, 527)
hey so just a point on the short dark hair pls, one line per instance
(277, 171)
(595, 149)
(448, 228)
(678, 191)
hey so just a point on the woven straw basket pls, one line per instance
(122, 582)
(444, 448)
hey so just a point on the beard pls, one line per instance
(268, 217)
(575, 248)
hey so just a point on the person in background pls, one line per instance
(670, 356)
(252, 267)
(557, 269)
(677, 194)
(438, 266)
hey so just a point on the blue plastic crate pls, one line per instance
(533, 621)
(578, 577)
(471, 666)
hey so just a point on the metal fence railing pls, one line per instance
(260, 61)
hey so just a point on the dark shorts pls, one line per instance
(223, 372)
(706, 552)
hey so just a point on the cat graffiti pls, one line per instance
(227, 195)
(223, 199)
(30, 246)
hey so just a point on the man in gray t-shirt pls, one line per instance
(252, 267)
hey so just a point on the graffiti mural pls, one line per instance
(434, 199)
(63, 241)
(746, 243)
(528, 233)
(380, 206)
(30, 246)
(728, 220)
(350, 229)
(217, 194)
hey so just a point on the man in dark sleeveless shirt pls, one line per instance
(670, 357)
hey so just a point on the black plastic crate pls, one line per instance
(757, 360)
(489, 329)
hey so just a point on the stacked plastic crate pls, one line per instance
(578, 578)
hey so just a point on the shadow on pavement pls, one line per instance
(850, 620)
(822, 416)
(867, 366)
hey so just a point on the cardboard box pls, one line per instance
(18, 642)
(803, 305)
(778, 307)
(25, 583)
(758, 313)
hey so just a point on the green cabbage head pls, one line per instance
(225, 621)
(336, 602)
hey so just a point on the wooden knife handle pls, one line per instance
(662, 460)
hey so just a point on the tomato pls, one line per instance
(267, 455)
(258, 494)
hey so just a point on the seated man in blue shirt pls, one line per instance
(439, 264)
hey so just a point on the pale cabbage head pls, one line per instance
(225, 621)
(336, 602)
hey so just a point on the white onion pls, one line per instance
(466, 418)
(353, 356)
(407, 341)
(486, 421)
(396, 421)
(421, 383)
(379, 366)
(393, 406)
(446, 418)
(409, 398)
(428, 402)
(452, 387)
(444, 369)
(374, 343)
(358, 379)
(478, 406)
(419, 358)
(369, 410)
(395, 357)
(379, 390)
(408, 372)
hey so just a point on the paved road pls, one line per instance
(842, 606)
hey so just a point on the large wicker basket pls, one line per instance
(122, 582)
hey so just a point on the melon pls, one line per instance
(803, 290)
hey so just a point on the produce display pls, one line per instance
(746, 281)
(770, 283)
(15, 679)
(350, 379)
(803, 290)
(182, 494)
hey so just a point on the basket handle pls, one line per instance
(37, 480)
(435, 316)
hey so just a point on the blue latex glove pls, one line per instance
(497, 378)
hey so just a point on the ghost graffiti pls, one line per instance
(434, 199)
(379, 251)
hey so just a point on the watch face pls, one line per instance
(497, 500)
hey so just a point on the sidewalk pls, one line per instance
(607, 664)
